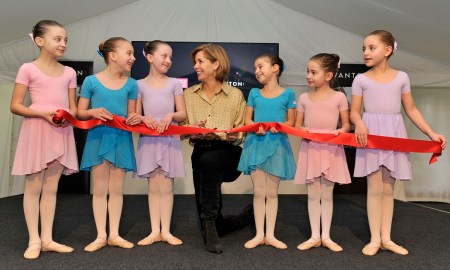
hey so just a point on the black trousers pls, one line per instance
(214, 162)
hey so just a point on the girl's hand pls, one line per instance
(64, 123)
(260, 131)
(101, 114)
(164, 123)
(149, 122)
(361, 134)
(48, 116)
(273, 130)
(133, 119)
(338, 131)
(439, 138)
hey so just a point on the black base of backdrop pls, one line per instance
(77, 183)
(359, 184)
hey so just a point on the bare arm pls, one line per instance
(84, 113)
(299, 119)
(72, 102)
(290, 117)
(355, 116)
(132, 117)
(139, 106)
(180, 106)
(345, 123)
(416, 117)
(248, 116)
(18, 108)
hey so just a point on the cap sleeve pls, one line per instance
(357, 87)
(86, 87)
(300, 105)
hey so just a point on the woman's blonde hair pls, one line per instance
(214, 52)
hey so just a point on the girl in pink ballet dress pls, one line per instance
(321, 165)
(383, 90)
(160, 158)
(45, 150)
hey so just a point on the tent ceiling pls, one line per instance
(17, 17)
(421, 27)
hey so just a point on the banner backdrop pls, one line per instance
(348, 72)
(78, 183)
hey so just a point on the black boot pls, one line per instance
(229, 224)
(210, 237)
(210, 188)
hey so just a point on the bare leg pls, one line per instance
(259, 207)
(272, 184)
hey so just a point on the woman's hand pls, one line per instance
(202, 136)
(101, 114)
(231, 137)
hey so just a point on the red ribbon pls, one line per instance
(373, 141)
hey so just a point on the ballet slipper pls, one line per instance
(275, 243)
(152, 238)
(256, 241)
(33, 251)
(120, 242)
(371, 248)
(393, 247)
(171, 240)
(328, 243)
(310, 243)
(56, 247)
(98, 244)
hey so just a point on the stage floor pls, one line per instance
(424, 231)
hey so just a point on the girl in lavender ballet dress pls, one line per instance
(45, 150)
(383, 90)
(159, 158)
(321, 165)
